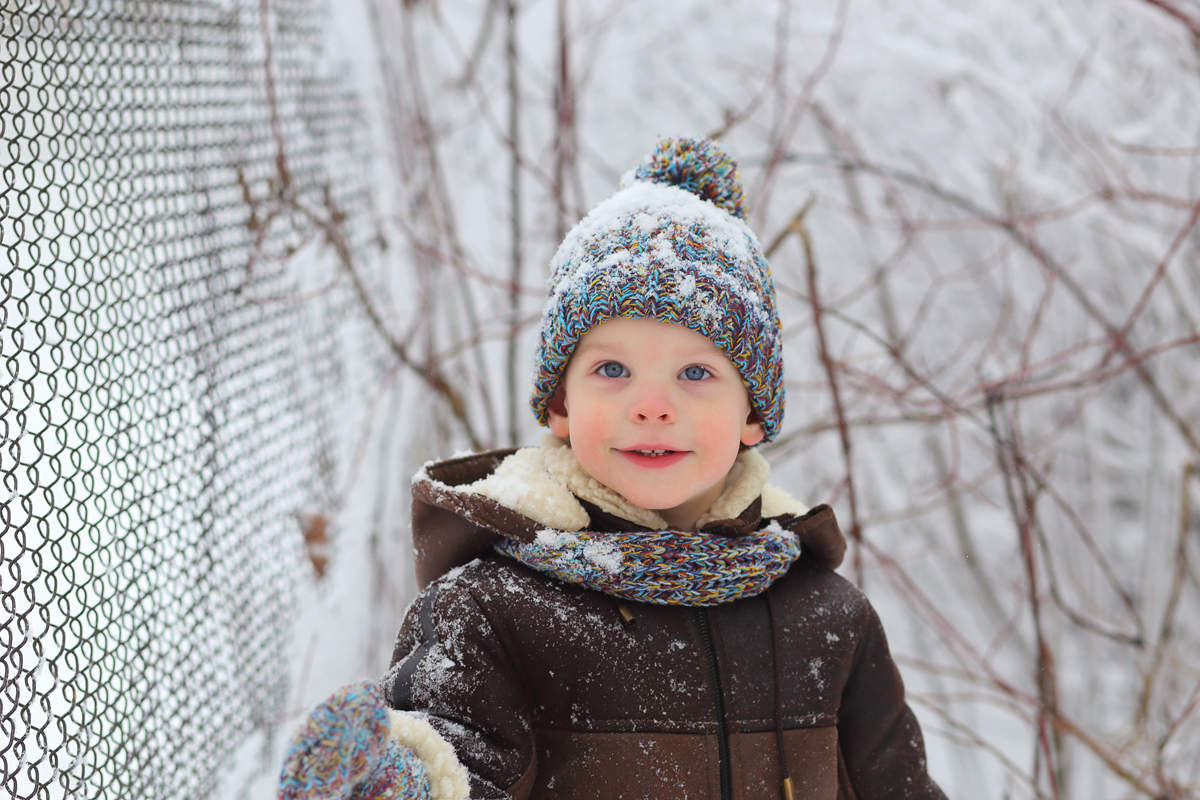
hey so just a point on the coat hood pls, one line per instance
(462, 506)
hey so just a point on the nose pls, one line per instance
(651, 404)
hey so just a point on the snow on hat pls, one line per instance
(673, 245)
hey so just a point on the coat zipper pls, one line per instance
(722, 731)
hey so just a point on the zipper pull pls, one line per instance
(627, 616)
(789, 789)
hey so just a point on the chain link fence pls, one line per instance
(173, 173)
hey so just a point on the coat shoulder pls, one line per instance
(830, 594)
(500, 588)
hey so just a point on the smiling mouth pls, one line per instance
(653, 457)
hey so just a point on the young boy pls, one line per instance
(630, 610)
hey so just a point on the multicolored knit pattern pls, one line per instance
(671, 245)
(343, 752)
(698, 166)
(400, 775)
(676, 568)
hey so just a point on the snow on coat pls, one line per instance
(549, 690)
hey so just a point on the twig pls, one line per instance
(778, 63)
(856, 533)
(1189, 708)
(1044, 259)
(482, 335)
(565, 144)
(1159, 272)
(1024, 516)
(281, 164)
(1167, 625)
(428, 372)
(955, 640)
(972, 737)
(1093, 378)
(444, 213)
(481, 42)
(1190, 23)
(790, 123)
(457, 261)
(514, 177)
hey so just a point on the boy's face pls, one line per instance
(656, 412)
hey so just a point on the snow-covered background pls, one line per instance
(982, 224)
(996, 205)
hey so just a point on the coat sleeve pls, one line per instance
(449, 665)
(881, 744)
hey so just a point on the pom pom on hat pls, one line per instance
(698, 166)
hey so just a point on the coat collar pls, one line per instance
(462, 505)
(548, 485)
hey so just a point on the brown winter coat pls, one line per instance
(550, 690)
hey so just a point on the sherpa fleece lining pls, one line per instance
(447, 776)
(543, 483)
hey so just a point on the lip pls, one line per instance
(652, 462)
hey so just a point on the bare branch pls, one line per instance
(1189, 22)
(514, 178)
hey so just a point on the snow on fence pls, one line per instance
(169, 425)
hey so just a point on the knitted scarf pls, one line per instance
(678, 568)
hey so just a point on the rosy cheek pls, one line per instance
(588, 424)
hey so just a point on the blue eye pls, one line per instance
(695, 373)
(613, 369)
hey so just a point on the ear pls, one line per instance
(556, 414)
(752, 430)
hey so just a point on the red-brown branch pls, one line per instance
(856, 532)
(1189, 22)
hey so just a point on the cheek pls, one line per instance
(589, 440)
(722, 422)
(588, 424)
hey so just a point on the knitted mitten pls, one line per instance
(348, 750)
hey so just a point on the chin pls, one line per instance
(652, 501)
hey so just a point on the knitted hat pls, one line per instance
(673, 245)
